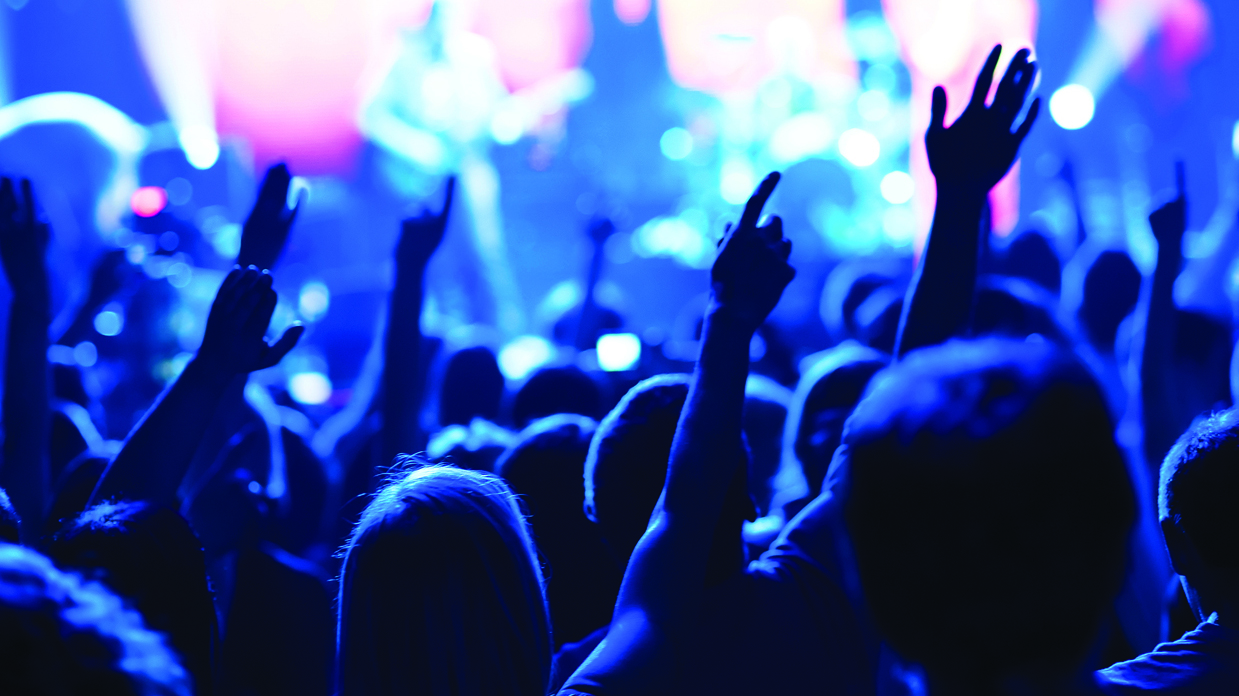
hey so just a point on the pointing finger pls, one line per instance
(752, 209)
(985, 79)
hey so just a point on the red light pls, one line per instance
(148, 201)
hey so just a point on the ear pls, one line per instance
(1184, 559)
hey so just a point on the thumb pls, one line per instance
(276, 351)
(938, 110)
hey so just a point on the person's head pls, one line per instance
(766, 403)
(1196, 505)
(552, 390)
(822, 402)
(545, 468)
(1015, 308)
(989, 510)
(149, 556)
(441, 593)
(1030, 255)
(853, 283)
(61, 635)
(1111, 289)
(475, 446)
(627, 460)
(472, 387)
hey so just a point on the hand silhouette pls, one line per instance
(23, 241)
(751, 269)
(1169, 222)
(421, 235)
(979, 148)
(266, 230)
(239, 316)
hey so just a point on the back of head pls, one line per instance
(60, 635)
(1031, 255)
(545, 468)
(628, 456)
(822, 402)
(472, 387)
(989, 508)
(441, 593)
(148, 555)
(475, 446)
(1199, 482)
(1111, 289)
(765, 414)
(1015, 308)
(555, 390)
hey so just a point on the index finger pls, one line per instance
(752, 209)
(986, 78)
(447, 197)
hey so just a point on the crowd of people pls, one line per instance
(951, 501)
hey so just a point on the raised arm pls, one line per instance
(667, 571)
(266, 229)
(1158, 393)
(967, 160)
(403, 378)
(27, 388)
(157, 454)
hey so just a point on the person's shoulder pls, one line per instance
(1204, 661)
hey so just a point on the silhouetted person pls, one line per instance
(989, 509)
(61, 635)
(1199, 521)
(1111, 289)
(471, 387)
(149, 556)
(553, 390)
(1030, 255)
(441, 592)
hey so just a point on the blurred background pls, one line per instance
(146, 125)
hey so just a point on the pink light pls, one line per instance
(148, 201)
(945, 42)
(632, 11)
(731, 46)
(534, 40)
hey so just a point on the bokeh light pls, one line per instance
(1072, 107)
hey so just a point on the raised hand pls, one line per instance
(421, 235)
(751, 270)
(979, 148)
(234, 341)
(23, 241)
(266, 230)
(1169, 222)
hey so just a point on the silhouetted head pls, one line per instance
(766, 403)
(10, 523)
(545, 468)
(472, 387)
(1015, 308)
(989, 509)
(822, 402)
(875, 284)
(148, 555)
(476, 446)
(555, 390)
(627, 461)
(441, 593)
(1030, 255)
(1111, 289)
(1196, 504)
(61, 635)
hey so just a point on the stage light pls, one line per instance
(314, 300)
(898, 187)
(523, 355)
(201, 146)
(873, 105)
(1072, 107)
(110, 321)
(859, 147)
(800, 136)
(85, 354)
(148, 201)
(618, 352)
(310, 388)
(737, 181)
(676, 144)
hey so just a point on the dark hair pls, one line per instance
(472, 387)
(1030, 255)
(627, 461)
(61, 635)
(10, 523)
(441, 592)
(554, 390)
(988, 505)
(545, 468)
(1199, 479)
(1016, 308)
(148, 555)
(1111, 290)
